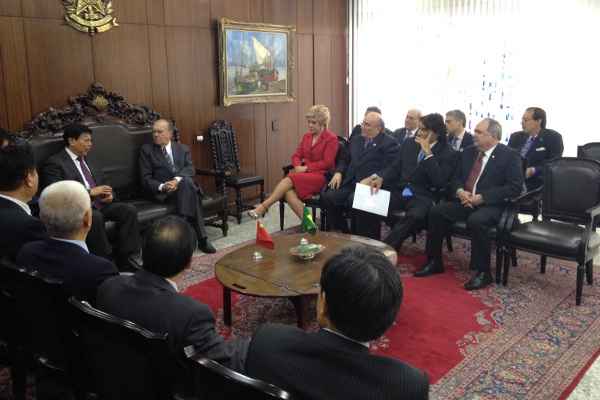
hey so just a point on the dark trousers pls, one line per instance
(128, 232)
(479, 221)
(187, 199)
(334, 202)
(416, 207)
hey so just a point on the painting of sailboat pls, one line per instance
(256, 64)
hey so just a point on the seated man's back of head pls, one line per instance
(360, 296)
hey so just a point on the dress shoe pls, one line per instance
(479, 281)
(432, 267)
(206, 246)
(130, 262)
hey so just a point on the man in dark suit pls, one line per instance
(411, 126)
(167, 175)
(18, 185)
(334, 363)
(72, 164)
(416, 178)
(65, 210)
(487, 175)
(150, 297)
(458, 137)
(537, 145)
(370, 154)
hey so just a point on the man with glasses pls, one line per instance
(458, 137)
(537, 145)
(487, 174)
(371, 153)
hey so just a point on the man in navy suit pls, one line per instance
(371, 153)
(18, 185)
(65, 210)
(537, 145)
(458, 137)
(487, 175)
(411, 126)
(167, 175)
(335, 363)
(72, 163)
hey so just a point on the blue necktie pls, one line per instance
(526, 147)
(421, 156)
(368, 141)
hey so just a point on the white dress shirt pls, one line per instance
(169, 149)
(79, 243)
(78, 166)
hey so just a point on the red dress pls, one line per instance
(319, 159)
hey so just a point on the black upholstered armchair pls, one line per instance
(570, 208)
(226, 164)
(590, 151)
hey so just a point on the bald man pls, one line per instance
(411, 126)
(371, 154)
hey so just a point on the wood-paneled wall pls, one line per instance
(164, 54)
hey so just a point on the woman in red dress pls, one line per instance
(314, 156)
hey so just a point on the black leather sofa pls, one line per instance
(116, 149)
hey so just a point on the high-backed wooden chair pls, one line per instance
(226, 164)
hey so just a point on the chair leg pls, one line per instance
(281, 214)
(513, 257)
(543, 264)
(323, 220)
(238, 205)
(449, 243)
(579, 289)
(262, 192)
(414, 237)
(499, 263)
(506, 261)
(589, 272)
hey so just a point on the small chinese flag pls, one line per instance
(262, 236)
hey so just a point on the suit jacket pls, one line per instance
(150, 301)
(319, 158)
(500, 180)
(155, 169)
(467, 141)
(81, 272)
(424, 178)
(17, 228)
(60, 167)
(400, 135)
(323, 365)
(363, 162)
(547, 146)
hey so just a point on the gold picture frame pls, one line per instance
(256, 62)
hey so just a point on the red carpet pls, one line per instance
(526, 341)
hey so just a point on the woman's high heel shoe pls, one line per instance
(253, 214)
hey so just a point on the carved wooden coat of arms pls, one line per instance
(90, 16)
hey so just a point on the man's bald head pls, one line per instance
(372, 124)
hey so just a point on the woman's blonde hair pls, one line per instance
(319, 113)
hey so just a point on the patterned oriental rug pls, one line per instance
(524, 341)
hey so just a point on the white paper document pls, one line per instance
(377, 203)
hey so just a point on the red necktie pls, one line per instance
(474, 174)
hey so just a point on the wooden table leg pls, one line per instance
(300, 304)
(227, 306)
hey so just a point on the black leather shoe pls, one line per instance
(432, 267)
(479, 281)
(206, 246)
(130, 263)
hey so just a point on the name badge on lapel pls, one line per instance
(540, 149)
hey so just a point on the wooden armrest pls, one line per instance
(209, 172)
(594, 211)
(527, 196)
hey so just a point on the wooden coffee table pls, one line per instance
(279, 274)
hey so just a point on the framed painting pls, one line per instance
(256, 62)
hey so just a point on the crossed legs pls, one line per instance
(283, 190)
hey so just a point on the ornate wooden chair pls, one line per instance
(226, 164)
(215, 382)
(569, 214)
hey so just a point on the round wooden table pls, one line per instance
(279, 274)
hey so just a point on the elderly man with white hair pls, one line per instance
(65, 210)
